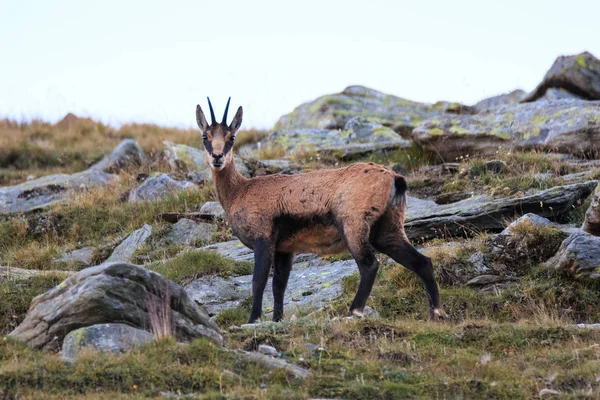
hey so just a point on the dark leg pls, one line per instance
(281, 274)
(404, 253)
(263, 257)
(356, 237)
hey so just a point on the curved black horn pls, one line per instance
(212, 113)
(224, 122)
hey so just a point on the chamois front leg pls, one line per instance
(281, 275)
(263, 257)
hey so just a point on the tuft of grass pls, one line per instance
(194, 264)
(17, 295)
(235, 316)
(271, 152)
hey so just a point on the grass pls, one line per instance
(194, 264)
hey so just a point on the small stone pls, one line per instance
(213, 209)
(268, 350)
(483, 280)
(158, 187)
(125, 250)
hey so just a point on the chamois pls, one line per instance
(359, 208)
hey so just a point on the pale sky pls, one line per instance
(153, 61)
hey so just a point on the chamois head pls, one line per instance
(218, 137)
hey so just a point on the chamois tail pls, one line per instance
(398, 192)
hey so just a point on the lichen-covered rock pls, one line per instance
(568, 126)
(592, 216)
(359, 136)
(578, 74)
(81, 257)
(112, 292)
(125, 156)
(312, 283)
(233, 249)
(187, 232)
(499, 100)
(483, 213)
(333, 111)
(158, 187)
(124, 251)
(186, 158)
(113, 338)
(49, 190)
(580, 254)
(213, 209)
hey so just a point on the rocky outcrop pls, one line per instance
(483, 213)
(499, 100)
(578, 74)
(333, 111)
(568, 126)
(580, 254)
(212, 210)
(359, 136)
(126, 155)
(112, 292)
(312, 283)
(592, 216)
(158, 187)
(113, 338)
(190, 159)
(49, 190)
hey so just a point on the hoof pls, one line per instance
(438, 314)
(356, 314)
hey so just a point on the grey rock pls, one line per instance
(113, 338)
(187, 232)
(125, 250)
(274, 363)
(579, 74)
(49, 190)
(83, 257)
(267, 350)
(213, 209)
(335, 110)
(483, 213)
(268, 167)
(532, 218)
(21, 274)
(477, 260)
(233, 249)
(592, 215)
(158, 187)
(558, 94)
(499, 100)
(186, 158)
(569, 126)
(359, 136)
(107, 293)
(311, 284)
(483, 280)
(125, 156)
(580, 254)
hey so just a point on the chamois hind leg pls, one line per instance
(263, 257)
(392, 241)
(357, 241)
(281, 275)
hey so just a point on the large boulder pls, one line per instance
(113, 338)
(580, 254)
(125, 156)
(312, 283)
(158, 187)
(568, 126)
(359, 136)
(592, 216)
(481, 212)
(578, 74)
(333, 111)
(113, 292)
(187, 232)
(49, 190)
(190, 159)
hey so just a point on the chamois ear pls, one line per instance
(201, 119)
(237, 120)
